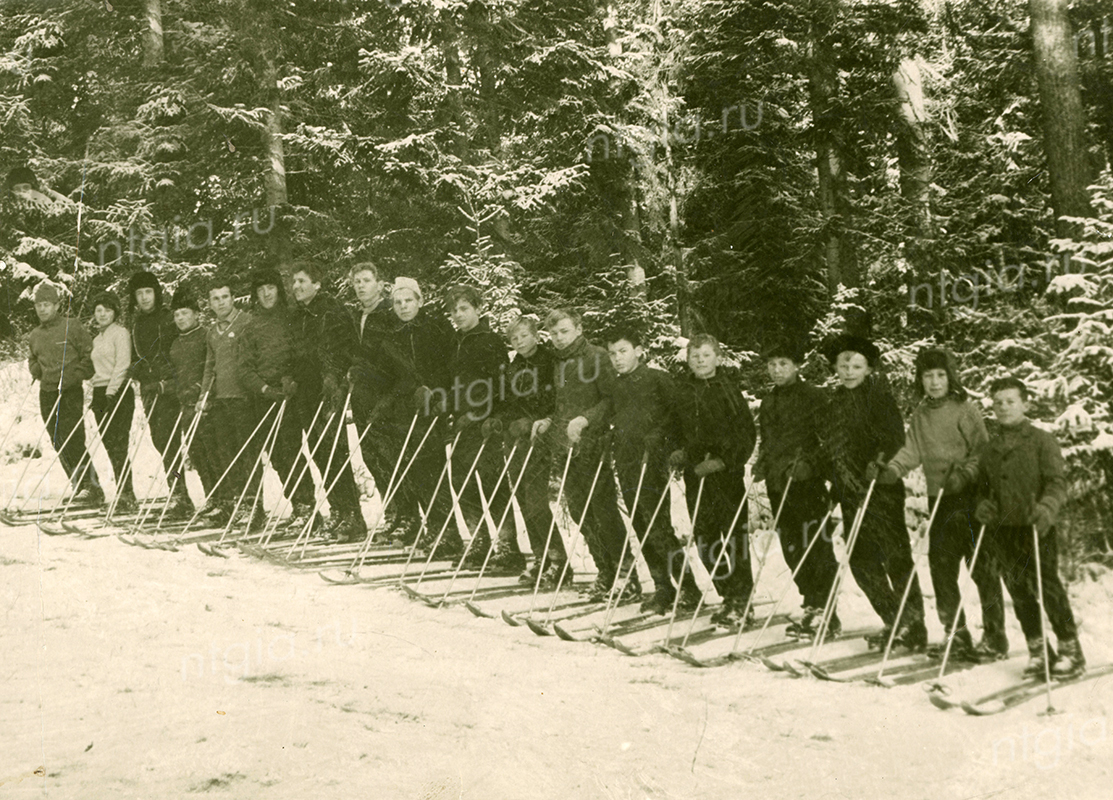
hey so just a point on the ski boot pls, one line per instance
(552, 574)
(879, 640)
(660, 602)
(1036, 664)
(690, 597)
(631, 592)
(89, 495)
(912, 635)
(601, 589)
(505, 563)
(805, 627)
(1071, 663)
(529, 576)
(962, 648)
(350, 527)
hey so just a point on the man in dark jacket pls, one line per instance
(187, 356)
(718, 436)
(60, 359)
(265, 360)
(324, 337)
(791, 417)
(152, 333)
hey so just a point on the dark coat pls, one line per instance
(426, 342)
(792, 418)
(643, 411)
(187, 355)
(152, 336)
(530, 394)
(324, 338)
(479, 363)
(383, 380)
(1020, 468)
(266, 349)
(864, 421)
(583, 379)
(715, 419)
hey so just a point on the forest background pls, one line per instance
(916, 170)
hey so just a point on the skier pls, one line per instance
(792, 417)
(718, 438)
(113, 402)
(643, 409)
(60, 359)
(1021, 484)
(864, 432)
(944, 436)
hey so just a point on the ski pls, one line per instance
(1029, 690)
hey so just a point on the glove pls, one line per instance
(955, 482)
(709, 466)
(289, 386)
(873, 469)
(351, 377)
(1044, 520)
(576, 429)
(888, 476)
(492, 427)
(519, 429)
(800, 471)
(97, 404)
(540, 428)
(677, 459)
(272, 394)
(986, 512)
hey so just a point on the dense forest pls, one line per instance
(915, 170)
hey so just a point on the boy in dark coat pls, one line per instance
(865, 431)
(791, 417)
(1022, 484)
(718, 438)
(643, 407)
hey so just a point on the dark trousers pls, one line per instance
(659, 547)
(231, 421)
(722, 493)
(344, 497)
(162, 416)
(803, 511)
(285, 450)
(488, 469)
(419, 491)
(203, 453)
(953, 537)
(882, 558)
(68, 417)
(115, 434)
(533, 500)
(602, 527)
(1013, 555)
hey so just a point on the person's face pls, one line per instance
(564, 333)
(103, 316)
(852, 368)
(524, 341)
(145, 299)
(935, 383)
(624, 356)
(305, 288)
(782, 371)
(220, 301)
(464, 315)
(46, 309)
(267, 294)
(1009, 407)
(369, 291)
(406, 304)
(185, 319)
(703, 361)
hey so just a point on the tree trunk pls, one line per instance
(912, 145)
(1064, 121)
(152, 36)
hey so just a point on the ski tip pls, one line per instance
(684, 655)
(984, 709)
(941, 702)
(508, 618)
(563, 634)
(476, 610)
(538, 628)
(769, 663)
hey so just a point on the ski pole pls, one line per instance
(180, 455)
(549, 535)
(154, 477)
(287, 490)
(16, 416)
(684, 565)
(505, 513)
(267, 440)
(959, 612)
(626, 538)
(907, 590)
(1043, 624)
(58, 453)
(129, 463)
(27, 464)
(852, 539)
(432, 500)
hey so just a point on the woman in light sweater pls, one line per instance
(113, 402)
(944, 436)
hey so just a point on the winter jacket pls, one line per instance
(584, 381)
(1020, 468)
(529, 391)
(941, 433)
(152, 335)
(642, 409)
(426, 342)
(222, 371)
(479, 363)
(61, 348)
(324, 339)
(715, 419)
(265, 354)
(382, 378)
(792, 419)
(864, 422)
(188, 355)
(111, 358)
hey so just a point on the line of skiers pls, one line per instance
(453, 401)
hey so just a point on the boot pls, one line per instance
(506, 563)
(660, 602)
(127, 505)
(879, 640)
(300, 516)
(529, 577)
(601, 588)
(350, 528)
(690, 597)
(730, 615)
(89, 495)
(962, 648)
(182, 508)
(805, 627)
(552, 574)
(1071, 663)
(631, 592)
(913, 635)
(1035, 667)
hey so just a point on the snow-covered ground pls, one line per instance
(135, 673)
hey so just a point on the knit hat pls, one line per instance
(183, 298)
(853, 344)
(407, 283)
(47, 292)
(108, 300)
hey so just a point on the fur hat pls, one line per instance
(854, 344)
(267, 276)
(144, 280)
(407, 283)
(792, 349)
(183, 298)
(47, 292)
(108, 300)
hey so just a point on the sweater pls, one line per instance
(60, 349)
(478, 367)
(1019, 468)
(642, 408)
(222, 374)
(941, 433)
(111, 358)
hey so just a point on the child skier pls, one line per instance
(1021, 485)
(944, 436)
